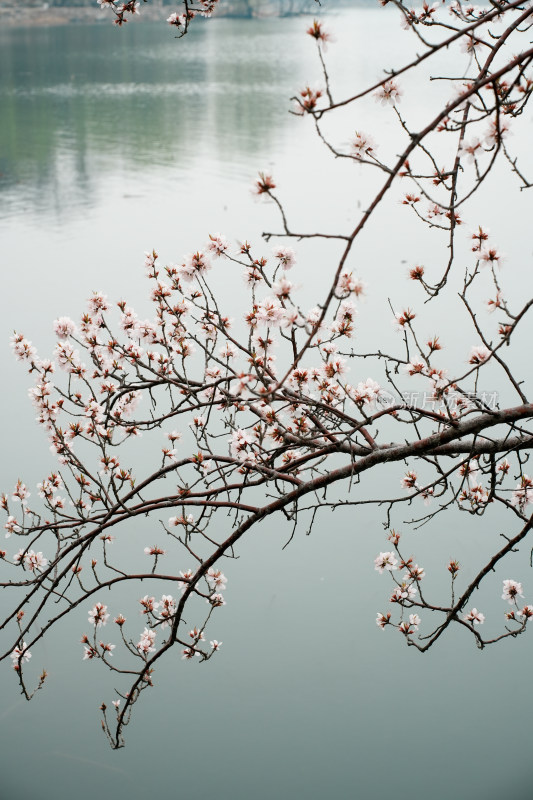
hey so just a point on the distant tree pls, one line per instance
(260, 418)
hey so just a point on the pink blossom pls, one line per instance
(282, 288)
(154, 551)
(217, 579)
(195, 265)
(366, 392)
(187, 576)
(286, 256)
(21, 654)
(405, 591)
(216, 600)
(22, 348)
(227, 351)
(167, 609)
(97, 303)
(479, 354)
(415, 366)
(98, 615)
(32, 560)
(128, 321)
(402, 320)
(382, 620)
(363, 145)
(240, 445)
(409, 480)
(94, 411)
(12, 526)
(348, 284)
(415, 573)
(497, 131)
(89, 652)
(427, 495)
(407, 628)
(263, 185)
(175, 19)
(189, 653)
(469, 44)
(475, 617)
(148, 603)
(511, 590)
(217, 244)
(316, 30)
(490, 255)
(146, 643)
(335, 367)
(107, 649)
(127, 404)
(67, 358)
(523, 494)
(385, 561)
(270, 312)
(389, 93)
(472, 149)
(20, 493)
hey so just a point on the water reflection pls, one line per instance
(78, 102)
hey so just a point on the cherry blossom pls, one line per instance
(363, 145)
(389, 93)
(472, 149)
(217, 579)
(409, 480)
(146, 643)
(405, 591)
(64, 327)
(32, 560)
(286, 256)
(20, 654)
(98, 615)
(523, 494)
(511, 590)
(167, 609)
(23, 349)
(154, 551)
(382, 620)
(20, 493)
(475, 617)
(385, 561)
(264, 183)
(407, 628)
(479, 354)
(217, 244)
(316, 30)
(11, 526)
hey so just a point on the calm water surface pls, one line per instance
(113, 142)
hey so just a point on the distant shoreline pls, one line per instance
(52, 16)
(12, 17)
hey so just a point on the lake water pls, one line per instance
(116, 141)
